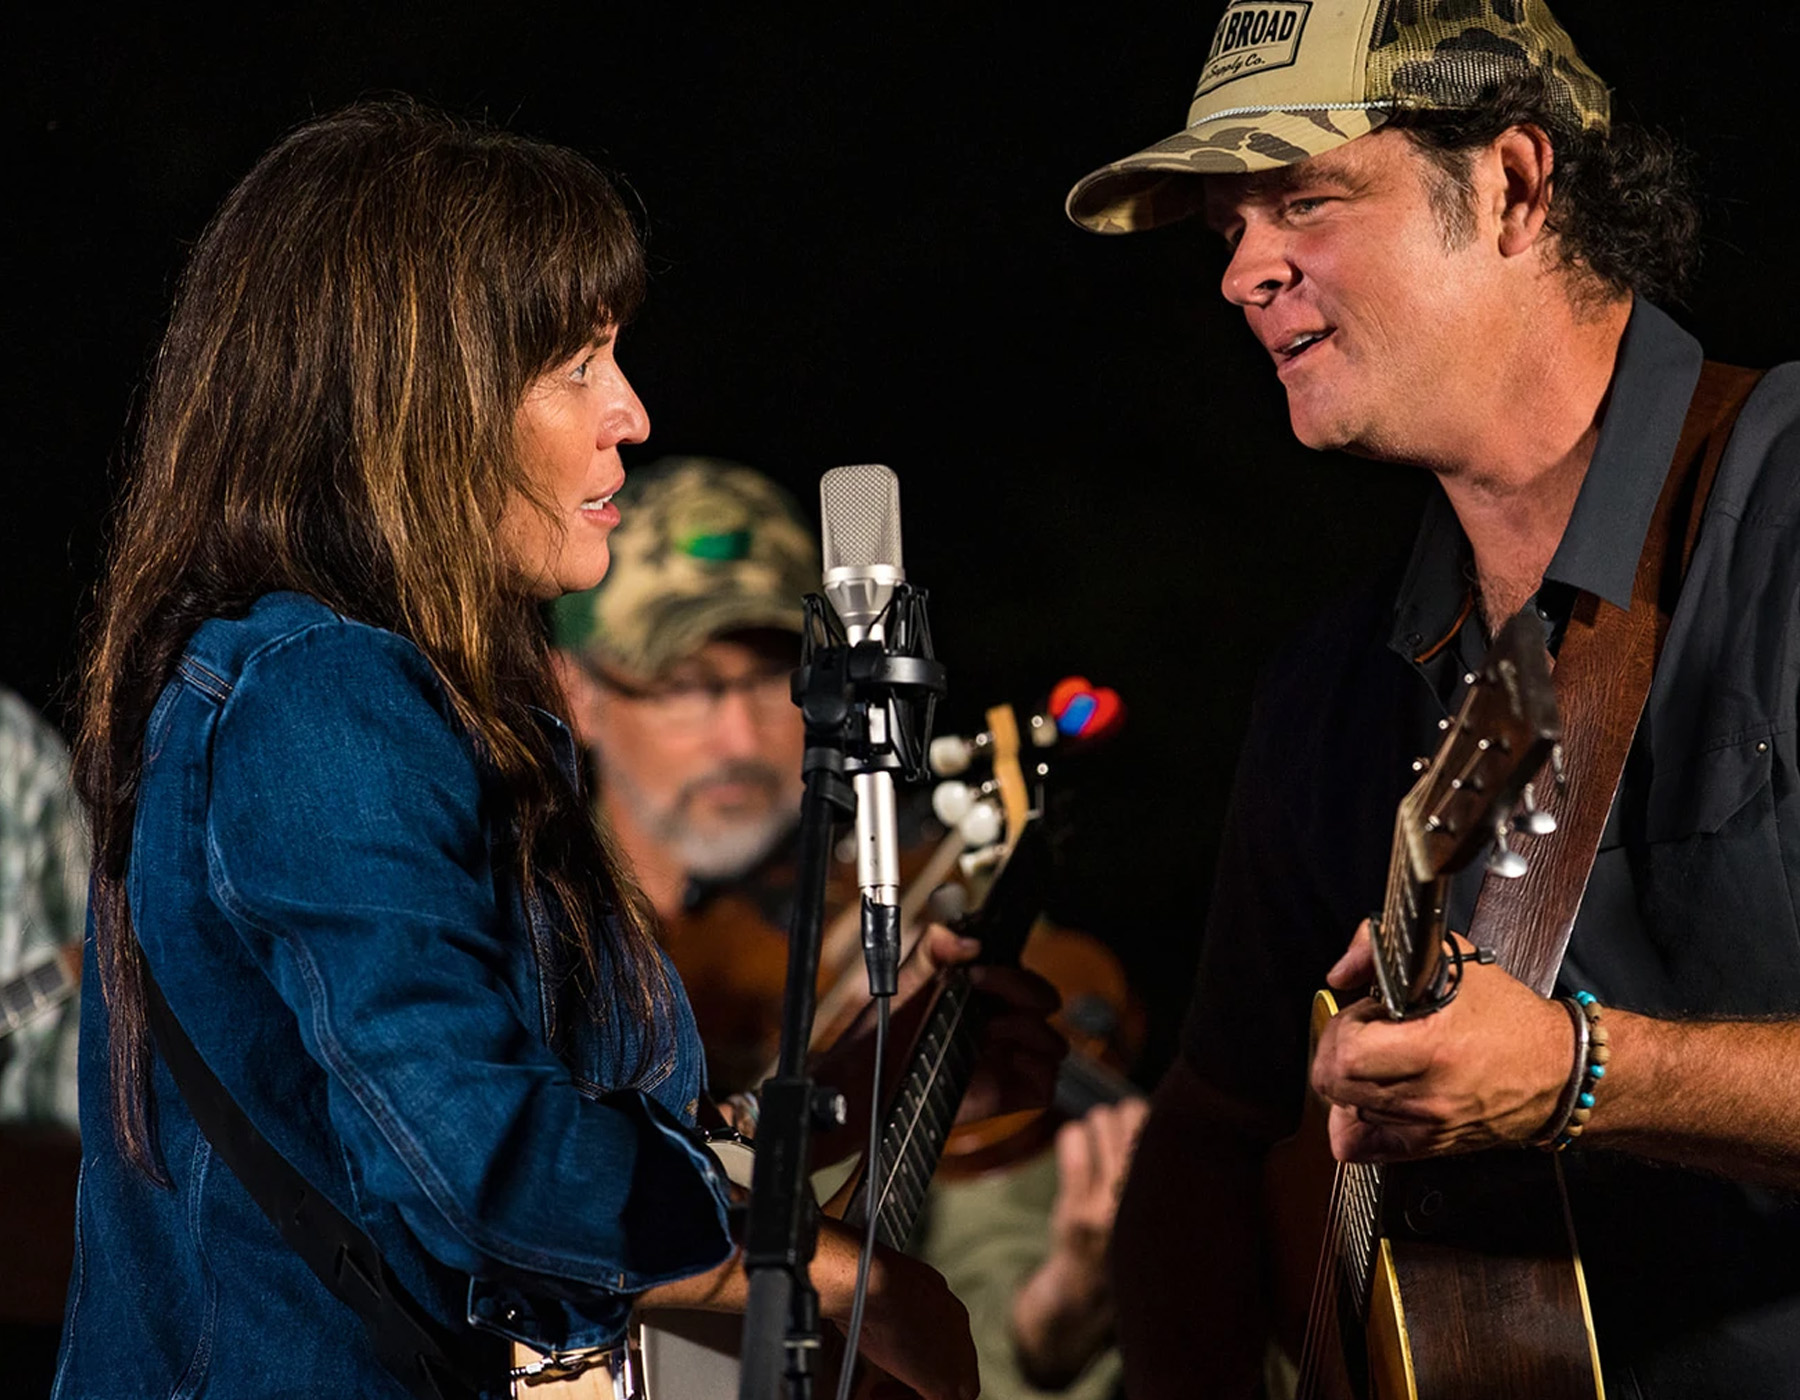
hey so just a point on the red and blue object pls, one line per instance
(1083, 710)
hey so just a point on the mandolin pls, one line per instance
(1453, 1278)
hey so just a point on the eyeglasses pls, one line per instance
(694, 703)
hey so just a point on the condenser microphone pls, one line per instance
(860, 511)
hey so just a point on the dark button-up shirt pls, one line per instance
(1691, 907)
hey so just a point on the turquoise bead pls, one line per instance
(1587, 1100)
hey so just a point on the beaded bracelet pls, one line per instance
(1593, 1049)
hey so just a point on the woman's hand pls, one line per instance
(914, 1328)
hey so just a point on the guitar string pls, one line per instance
(1347, 1255)
(959, 991)
(1352, 1213)
(1321, 1300)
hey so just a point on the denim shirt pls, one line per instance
(316, 885)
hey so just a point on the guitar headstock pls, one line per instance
(991, 786)
(1465, 798)
(991, 813)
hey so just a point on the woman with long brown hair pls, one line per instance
(335, 824)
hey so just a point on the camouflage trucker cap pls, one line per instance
(1289, 79)
(702, 547)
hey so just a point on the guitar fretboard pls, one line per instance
(943, 1060)
(924, 1111)
(34, 992)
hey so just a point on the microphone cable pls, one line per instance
(873, 1193)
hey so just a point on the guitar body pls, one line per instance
(1487, 1279)
(1474, 1284)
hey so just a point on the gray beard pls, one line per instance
(726, 850)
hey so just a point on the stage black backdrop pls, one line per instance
(860, 255)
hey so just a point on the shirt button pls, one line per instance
(1762, 745)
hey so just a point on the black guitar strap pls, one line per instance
(431, 1362)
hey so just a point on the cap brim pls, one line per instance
(1156, 186)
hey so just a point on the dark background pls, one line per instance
(860, 255)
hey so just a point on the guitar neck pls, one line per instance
(35, 991)
(943, 1059)
(912, 1141)
(1410, 933)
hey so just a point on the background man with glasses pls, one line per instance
(677, 674)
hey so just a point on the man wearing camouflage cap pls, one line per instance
(1448, 250)
(677, 672)
(679, 668)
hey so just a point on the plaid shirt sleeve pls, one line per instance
(43, 906)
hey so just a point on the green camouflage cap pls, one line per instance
(702, 547)
(1289, 79)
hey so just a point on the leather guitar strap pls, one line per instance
(423, 1355)
(1602, 678)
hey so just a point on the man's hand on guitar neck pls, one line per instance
(1486, 1071)
(1718, 1096)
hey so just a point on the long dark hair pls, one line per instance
(332, 411)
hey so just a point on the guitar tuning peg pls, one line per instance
(1532, 820)
(1536, 823)
(1505, 862)
(951, 801)
(1419, 765)
(949, 755)
(982, 824)
(1556, 764)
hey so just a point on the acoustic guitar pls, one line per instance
(1454, 1278)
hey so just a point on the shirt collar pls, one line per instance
(562, 744)
(1658, 366)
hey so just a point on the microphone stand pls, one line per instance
(836, 687)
